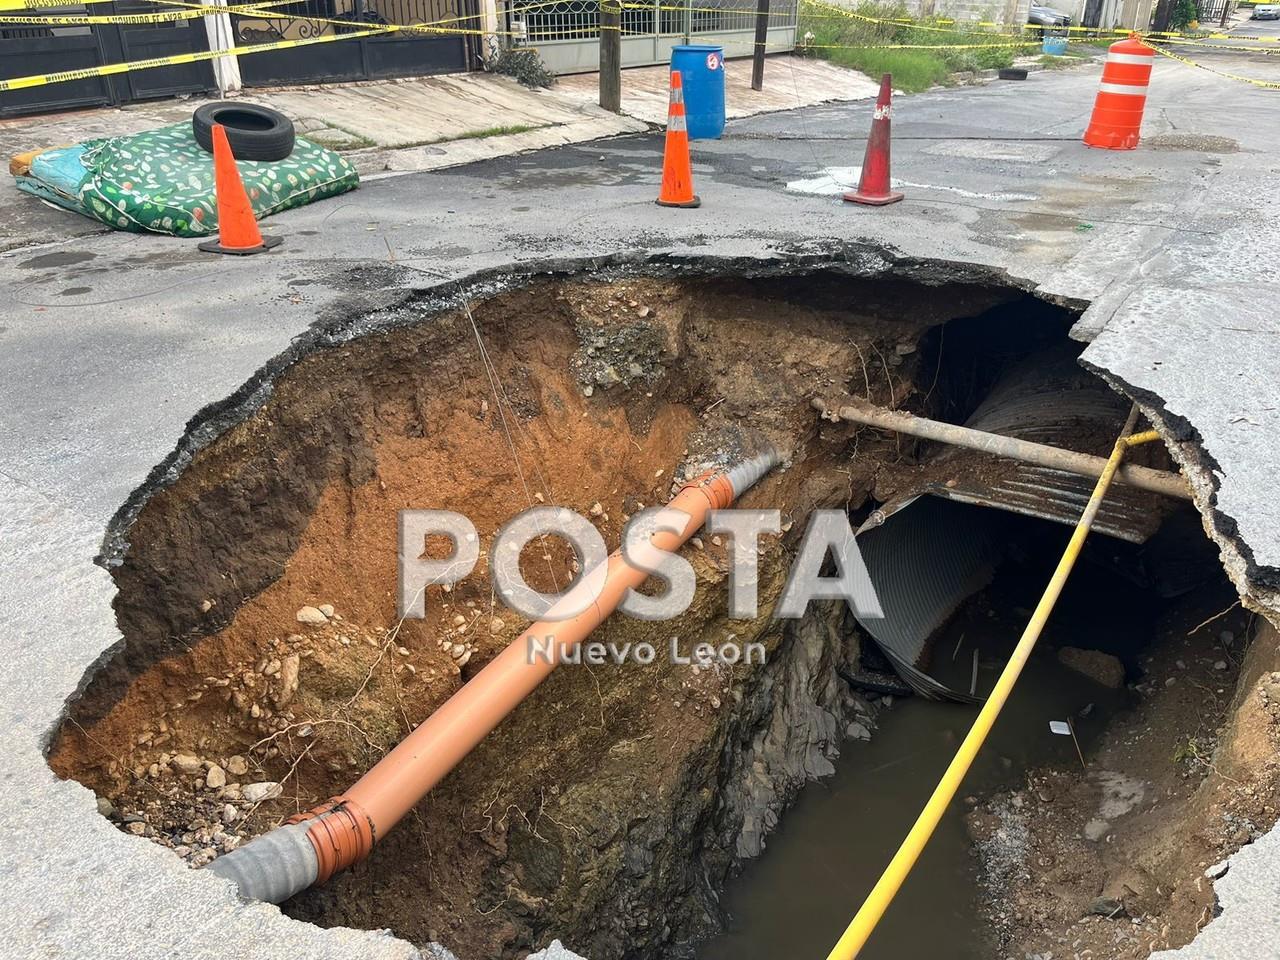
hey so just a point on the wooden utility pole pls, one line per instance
(762, 35)
(611, 55)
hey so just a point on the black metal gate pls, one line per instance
(28, 50)
(399, 54)
(1211, 11)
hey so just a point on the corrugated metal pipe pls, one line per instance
(1082, 464)
(316, 844)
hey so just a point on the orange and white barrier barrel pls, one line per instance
(1122, 96)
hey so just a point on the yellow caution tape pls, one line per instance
(1230, 48)
(64, 76)
(1016, 39)
(941, 24)
(1265, 84)
(110, 69)
(191, 10)
(160, 16)
(935, 27)
(44, 4)
(910, 46)
(432, 27)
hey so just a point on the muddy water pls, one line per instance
(831, 847)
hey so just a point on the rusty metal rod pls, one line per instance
(1069, 461)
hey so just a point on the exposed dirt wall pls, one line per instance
(1118, 859)
(609, 810)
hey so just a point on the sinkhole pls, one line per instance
(645, 811)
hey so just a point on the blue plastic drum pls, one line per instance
(702, 73)
(1054, 46)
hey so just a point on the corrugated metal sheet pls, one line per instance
(1054, 495)
(925, 560)
(1049, 399)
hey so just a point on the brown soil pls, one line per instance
(593, 814)
(1196, 758)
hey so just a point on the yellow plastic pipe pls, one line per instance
(886, 888)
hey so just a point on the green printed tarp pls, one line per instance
(161, 181)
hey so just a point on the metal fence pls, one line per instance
(27, 50)
(1210, 11)
(567, 33)
(398, 54)
(314, 18)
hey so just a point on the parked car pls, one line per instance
(1046, 21)
(1039, 16)
(1266, 11)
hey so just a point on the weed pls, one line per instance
(499, 131)
(523, 64)
(875, 48)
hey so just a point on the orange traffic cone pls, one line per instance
(238, 231)
(677, 168)
(873, 185)
(1116, 123)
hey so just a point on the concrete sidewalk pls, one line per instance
(120, 351)
(789, 82)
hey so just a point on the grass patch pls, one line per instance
(474, 135)
(498, 131)
(870, 47)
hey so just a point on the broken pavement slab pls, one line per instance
(1247, 924)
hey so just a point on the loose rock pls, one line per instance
(1096, 829)
(1106, 907)
(1100, 667)
(288, 679)
(257, 792)
(186, 763)
(1217, 870)
(311, 615)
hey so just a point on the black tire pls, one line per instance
(255, 133)
(1013, 73)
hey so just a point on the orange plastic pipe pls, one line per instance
(343, 830)
(397, 782)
